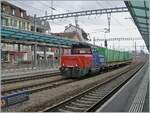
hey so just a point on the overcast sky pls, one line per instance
(121, 23)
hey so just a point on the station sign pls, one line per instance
(13, 99)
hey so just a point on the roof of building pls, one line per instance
(12, 5)
(69, 35)
(84, 34)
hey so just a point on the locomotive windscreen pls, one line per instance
(80, 49)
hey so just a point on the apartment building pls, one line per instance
(15, 17)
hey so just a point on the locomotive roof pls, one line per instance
(80, 46)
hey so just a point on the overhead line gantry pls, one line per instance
(85, 13)
(120, 39)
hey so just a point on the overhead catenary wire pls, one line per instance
(22, 3)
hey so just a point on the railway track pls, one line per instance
(27, 77)
(40, 75)
(91, 99)
(40, 85)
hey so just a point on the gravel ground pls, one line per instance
(42, 99)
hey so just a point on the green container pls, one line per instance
(114, 55)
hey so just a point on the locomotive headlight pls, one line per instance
(76, 65)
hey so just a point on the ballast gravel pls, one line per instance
(22, 84)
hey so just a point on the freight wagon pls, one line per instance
(113, 57)
(85, 59)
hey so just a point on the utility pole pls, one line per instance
(105, 43)
(113, 45)
(135, 49)
(34, 22)
(46, 13)
(94, 40)
(107, 30)
(76, 21)
(109, 19)
(51, 7)
(34, 60)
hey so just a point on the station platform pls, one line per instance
(146, 103)
(132, 97)
(28, 72)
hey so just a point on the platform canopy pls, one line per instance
(139, 11)
(21, 35)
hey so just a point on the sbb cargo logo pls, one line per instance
(3, 102)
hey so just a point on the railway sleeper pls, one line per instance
(94, 94)
(80, 104)
(88, 99)
(73, 108)
(87, 102)
(89, 96)
(62, 110)
(97, 92)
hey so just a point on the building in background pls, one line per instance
(12, 54)
(40, 26)
(82, 35)
(70, 35)
(74, 33)
(14, 16)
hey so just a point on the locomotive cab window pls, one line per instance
(81, 49)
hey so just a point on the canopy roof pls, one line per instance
(16, 34)
(139, 11)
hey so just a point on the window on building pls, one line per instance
(21, 14)
(39, 30)
(19, 24)
(3, 8)
(32, 28)
(42, 23)
(13, 11)
(4, 56)
(4, 21)
(11, 22)
(2, 46)
(15, 23)
(23, 25)
(28, 26)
